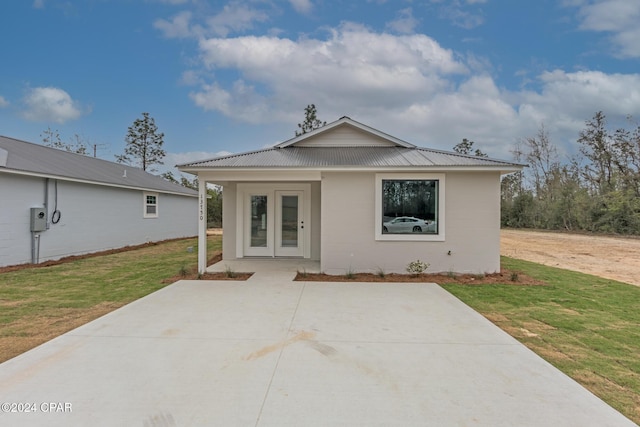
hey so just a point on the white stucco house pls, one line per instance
(358, 200)
(55, 204)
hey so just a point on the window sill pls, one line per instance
(409, 237)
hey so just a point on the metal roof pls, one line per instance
(319, 157)
(340, 153)
(33, 159)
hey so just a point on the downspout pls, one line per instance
(46, 199)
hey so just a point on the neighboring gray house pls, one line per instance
(359, 200)
(54, 204)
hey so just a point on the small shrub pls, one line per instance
(350, 274)
(380, 272)
(514, 276)
(229, 272)
(184, 271)
(417, 267)
(451, 274)
(303, 273)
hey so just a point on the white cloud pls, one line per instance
(302, 6)
(568, 99)
(177, 27)
(619, 18)
(232, 18)
(406, 85)
(404, 23)
(241, 102)
(3, 102)
(460, 15)
(353, 64)
(235, 17)
(191, 78)
(38, 4)
(50, 104)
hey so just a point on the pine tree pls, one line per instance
(144, 144)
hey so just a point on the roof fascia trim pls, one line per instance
(505, 169)
(102, 184)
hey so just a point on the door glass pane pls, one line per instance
(258, 221)
(289, 221)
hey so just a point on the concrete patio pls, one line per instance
(274, 352)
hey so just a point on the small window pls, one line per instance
(150, 205)
(410, 207)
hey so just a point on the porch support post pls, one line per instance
(202, 226)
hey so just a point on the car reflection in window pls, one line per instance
(408, 224)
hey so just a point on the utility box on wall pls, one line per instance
(38, 219)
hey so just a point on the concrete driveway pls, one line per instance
(273, 352)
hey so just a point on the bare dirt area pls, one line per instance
(616, 258)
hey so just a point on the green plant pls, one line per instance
(228, 271)
(350, 274)
(303, 273)
(417, 267)
(184, 271)
(380, 272)
(514, 276)
(451, 274)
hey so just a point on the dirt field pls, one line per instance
(616, 258)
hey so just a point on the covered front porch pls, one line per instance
(273, 218)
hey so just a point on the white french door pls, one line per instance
(274, 223)
(289, 224)
(258, 239)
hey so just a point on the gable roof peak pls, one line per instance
(345, 121)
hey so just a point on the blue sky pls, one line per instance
(232, 76)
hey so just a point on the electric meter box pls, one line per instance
(38, 219)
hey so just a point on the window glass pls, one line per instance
(409, 206)
(150, 206)
(259, 221)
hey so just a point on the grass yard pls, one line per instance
(40, 303)
(586, 326)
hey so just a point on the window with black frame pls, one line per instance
(410, 206)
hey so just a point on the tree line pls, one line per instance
(595, 190)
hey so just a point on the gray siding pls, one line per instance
(94, 218)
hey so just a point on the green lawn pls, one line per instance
(586, 326)
(39, 303)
